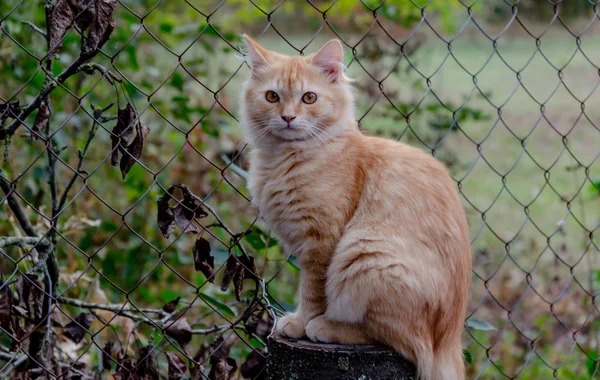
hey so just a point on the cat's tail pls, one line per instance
(445, 364)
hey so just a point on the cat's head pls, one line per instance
(296, 98)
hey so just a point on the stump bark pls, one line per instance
(291, 359)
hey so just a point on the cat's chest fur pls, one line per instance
(299, 198)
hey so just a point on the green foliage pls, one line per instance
(111, 220)
(220, 306)
(478, 324)
(467, 356)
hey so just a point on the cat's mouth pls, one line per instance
(290, 133)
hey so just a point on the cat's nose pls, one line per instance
(288, 119)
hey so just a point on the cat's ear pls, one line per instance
(330, 58)
(257, 54)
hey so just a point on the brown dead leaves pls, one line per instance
(145, 367)
(237, 269)
(76, 329)
(203, 260)
(179, 330)
(128, 137)
(255, 365)
(177, 367)
(59, 21)
(9, 315)
(41, 121)
(95, 16)
(183, 214)
(9, 111)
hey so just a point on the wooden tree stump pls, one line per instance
(291, 359)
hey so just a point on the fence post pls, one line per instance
(304, 360)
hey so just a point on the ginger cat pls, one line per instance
(377, 226)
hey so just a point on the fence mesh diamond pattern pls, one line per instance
(130, 247)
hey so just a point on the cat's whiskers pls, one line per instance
(255, 137)
(329, 140)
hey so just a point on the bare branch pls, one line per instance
(97, 115)
(90, 68)
(6, 241)
(16, 363)
(126, 311)
(8, 187)
(35, 28)
(73, 69)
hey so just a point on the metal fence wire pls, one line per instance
(130, 247)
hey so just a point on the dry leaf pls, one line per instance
(31, 296)
(201, 353)
(259, 323)
(76, 329)
(199, 373)
(164, 217)
(133, 152)
(124, 368)
(106, 355)
(122, 131)
(179, 330)
(250, 271)
(187, 211)
(224, 369)
(59, 20)
(96, 15)
(97, 295)
(6, 301)
(177, 367)
(8, 321)
(203, 261)
(171, 306)
(41, 120)
(237, 269)
(56, 317)
(146, 365)
(220, 348)
(185, 223)
(238, 283)
(255, 365)
(232, 266)
(183, 215)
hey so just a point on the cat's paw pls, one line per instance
(317, 330)
(291, 326)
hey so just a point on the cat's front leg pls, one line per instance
(312, 303)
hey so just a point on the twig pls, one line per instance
(8, 355)
(7, 188)
(13, 365)
(90, 68)
(127, 312)
(214, 213)
(6, 241)
(70, 368)
(211, 330)
(110, 307)
(45, 91)
(36, 28)
(81, 154)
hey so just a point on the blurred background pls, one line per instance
(505, 94)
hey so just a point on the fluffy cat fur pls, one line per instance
(376, 225)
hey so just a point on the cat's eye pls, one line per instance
(272, 96)
(309, 98)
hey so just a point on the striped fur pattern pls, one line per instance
(376, 225)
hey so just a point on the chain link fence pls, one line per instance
(130, 247)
